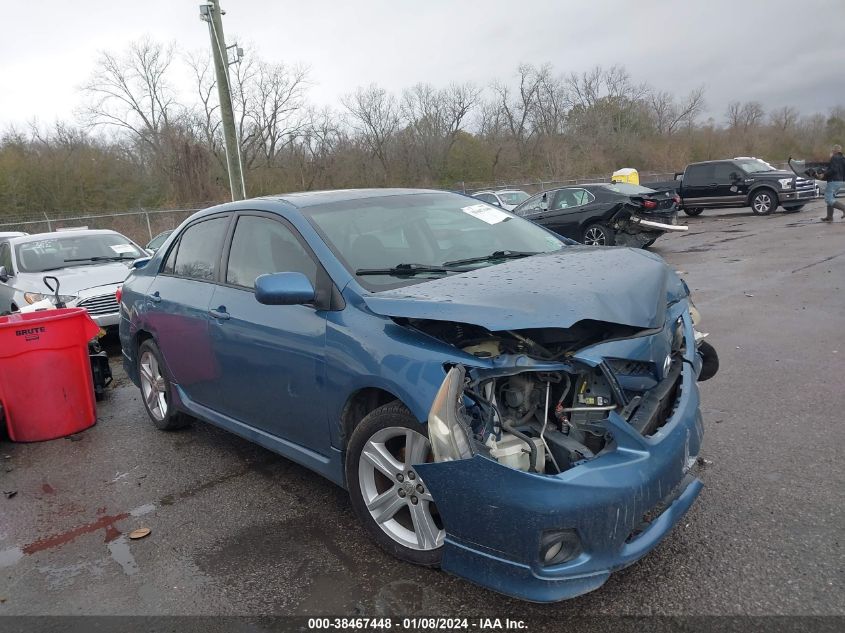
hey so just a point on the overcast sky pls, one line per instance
(778, 52)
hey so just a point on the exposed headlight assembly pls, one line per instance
(35, 297)
(448, 435)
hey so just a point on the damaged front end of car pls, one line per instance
(561, 455)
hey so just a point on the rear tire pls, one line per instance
(694, 211)
(763, 202)
(649, 243)
(598, 235)
(156, 389)
(388, 496)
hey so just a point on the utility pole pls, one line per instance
(211, 13)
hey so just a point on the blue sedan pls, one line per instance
(498, 402)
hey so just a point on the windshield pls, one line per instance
(434, 230)
(53, 253)
(628, 189)
(513, 197)
(754, 165)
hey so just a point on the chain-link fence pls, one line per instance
(139, 226)
(142, 225)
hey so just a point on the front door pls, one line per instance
(177, 307)
(271, 359)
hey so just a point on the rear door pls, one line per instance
(696, 188)
(270, 358)
(177, 304)
(569, 211)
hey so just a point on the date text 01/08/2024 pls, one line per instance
(417, 623)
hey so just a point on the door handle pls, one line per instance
(713, 185)
(220, 314)
(155, 297)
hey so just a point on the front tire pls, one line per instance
(598, 235)
(388, 496)
(156, 389)
(763, 202)
(794, 209)
(694, 211)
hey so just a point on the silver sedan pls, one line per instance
(88, 264)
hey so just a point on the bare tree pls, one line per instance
(376, 118)
(745, 116)
(516, 108)
(434, 120)
(784, 119)
(669, 115)
(131, 92)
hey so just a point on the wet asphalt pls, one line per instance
(237, 530)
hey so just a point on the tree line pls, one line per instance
(143, 139)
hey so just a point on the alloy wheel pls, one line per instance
(595, 236)
(394, 494)
(762, 203)
(153, 385)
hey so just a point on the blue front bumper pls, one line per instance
(495, 516)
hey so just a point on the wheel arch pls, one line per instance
(757, 188)
(360, 404)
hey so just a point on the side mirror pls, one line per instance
(497, 203)
(283, 289)
(4, 275)
(140, 263)
(150, 251)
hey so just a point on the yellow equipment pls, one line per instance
(627, 174)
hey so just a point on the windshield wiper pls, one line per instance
(99, 258)
(492, 256)
(404, 270)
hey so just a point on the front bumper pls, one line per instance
(792, 196)
(495, 516)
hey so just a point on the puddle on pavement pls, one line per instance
(10, 556)
(122, 555)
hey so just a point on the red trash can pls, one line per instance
(46, 386)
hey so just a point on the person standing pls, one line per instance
(834, 175)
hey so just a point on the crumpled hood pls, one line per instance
(74, 280)
(615, 285)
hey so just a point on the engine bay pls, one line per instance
(548, 419)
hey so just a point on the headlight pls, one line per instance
(35, 297)
(449, 437)
(785, 183)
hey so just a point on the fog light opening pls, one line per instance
(559, 546)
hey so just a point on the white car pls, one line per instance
(88, 264)
(508, 199)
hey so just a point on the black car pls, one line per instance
(605, 214)
(739, 182)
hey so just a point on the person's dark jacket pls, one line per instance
(836, 169)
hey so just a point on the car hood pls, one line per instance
(772, 174)
(614, 285)
(73, 281)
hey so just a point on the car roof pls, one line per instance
(304, 199)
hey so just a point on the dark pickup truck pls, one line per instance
(738, 182)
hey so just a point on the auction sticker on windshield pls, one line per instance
(123, 248)
(485, 213)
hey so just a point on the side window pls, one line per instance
(198, 252)
(533, 206)
(261, 245)
(697, 175)
(722, 172)
(6, 257)
(571, 198)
